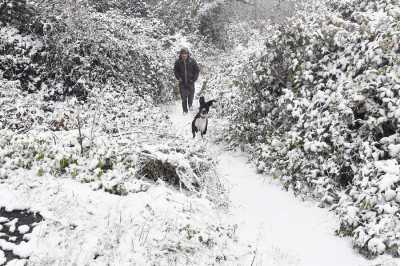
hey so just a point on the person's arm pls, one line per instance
(176, 70)
(196, 70)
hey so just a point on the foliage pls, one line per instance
(78, 49)
(17, 13)
(319, 109)
(130, 8)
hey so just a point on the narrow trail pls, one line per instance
(281, 229)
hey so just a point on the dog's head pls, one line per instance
(205, 106)
(203, 112)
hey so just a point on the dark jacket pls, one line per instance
(187, 72)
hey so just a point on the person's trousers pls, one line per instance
(187, 95)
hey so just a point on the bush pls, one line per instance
(78, 49)
(177, 15)
(20, 56)
(212, 22)
(319, 109)
(137, 8)
(16, 13)
(78, 61)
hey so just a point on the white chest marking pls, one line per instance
(200, 124)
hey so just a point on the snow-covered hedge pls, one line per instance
(78, 49)
(320, 109)
(138, 8)
(178, 15)
(17, 13)
(202, 20)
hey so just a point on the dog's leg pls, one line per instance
(205, 128)
(194, 129)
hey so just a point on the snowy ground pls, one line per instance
(273, 226)
(283, 229)
(153, 223)
(86, 227)
(161, 226)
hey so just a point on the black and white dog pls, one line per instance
(200, 121)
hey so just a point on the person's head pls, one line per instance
(184, 53)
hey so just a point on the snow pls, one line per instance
(10, 202)
(390, 194)
(2, 257)
(394, 11)
(315, 146)
(17, 263)
(12, 224)
(23, 249)
(388, 166)
(273, 226)
(387, 208)
(328, 121)
(84, 226)
(284, 230)
(379, 21)
(23, 229)
(376, 245)
(181, 42)
(158, 224)
(394, 150)
(387, 180)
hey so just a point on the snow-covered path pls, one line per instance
(281, 229)
(284, 230)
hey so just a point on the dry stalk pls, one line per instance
(80, 138)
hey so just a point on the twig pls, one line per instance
(277, 75)
(254, 257)
(80, 138)
(141, 132)
(92, 129)
(54, 138)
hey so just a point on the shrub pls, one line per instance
(136, 8)
(17, 13)
(76, 49)
(319, 109)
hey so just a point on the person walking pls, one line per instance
(186, 72)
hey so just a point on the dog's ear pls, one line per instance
(210, 103)
(202, 101)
